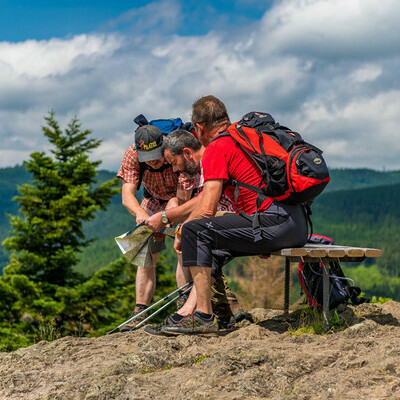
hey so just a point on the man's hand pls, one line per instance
(177, 244)
(141, 216)
(154, 222)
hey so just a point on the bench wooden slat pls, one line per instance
(373, 252)
(297, 252)
(317, 253)
(338, 253)
(355, 252)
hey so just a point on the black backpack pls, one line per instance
(341, 289)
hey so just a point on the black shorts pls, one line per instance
(156, 246)
(212, 242)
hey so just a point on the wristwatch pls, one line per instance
(164, 218)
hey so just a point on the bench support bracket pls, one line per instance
(287, 286)
(325, 295)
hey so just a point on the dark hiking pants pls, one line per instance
(213, 242)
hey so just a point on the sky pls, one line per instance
(328, 69)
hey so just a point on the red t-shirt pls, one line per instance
(224, 159)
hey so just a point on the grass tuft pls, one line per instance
(199, 358)
(311, 321)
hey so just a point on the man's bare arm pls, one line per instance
(175, 214)
(207, 208)
(130, 202)
(209, 200)
(183, 195)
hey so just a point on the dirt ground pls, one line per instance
(256, 361)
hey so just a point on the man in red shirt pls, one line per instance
(282, 225)
(184, 152)
(143, 163)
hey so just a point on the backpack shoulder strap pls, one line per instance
(261, 196)
(142, 168)
(220, 135)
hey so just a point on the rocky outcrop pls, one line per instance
(266, 360)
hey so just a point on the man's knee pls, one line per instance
(146, 271)
(190, 227)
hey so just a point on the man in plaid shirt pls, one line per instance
(184, 152)
(143, 163)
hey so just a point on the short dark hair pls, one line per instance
(210, 112)
(177, 140)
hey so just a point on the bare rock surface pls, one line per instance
(255, 361)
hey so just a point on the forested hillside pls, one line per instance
(365, 217)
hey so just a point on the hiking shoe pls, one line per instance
(132, 325)
(191, 324)
(155, 330)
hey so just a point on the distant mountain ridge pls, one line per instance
(344, 179)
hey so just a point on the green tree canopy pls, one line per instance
(46, 238)
(41, 295)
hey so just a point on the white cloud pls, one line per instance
(332, 29)
(308, 63)
(40, 59)
(366, 73)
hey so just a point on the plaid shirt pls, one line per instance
(161, 185)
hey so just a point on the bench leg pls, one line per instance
(287, 286)
(325, 293)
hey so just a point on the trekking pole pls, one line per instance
(149, 308)
(140, 324)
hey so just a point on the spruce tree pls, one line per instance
(46, 239)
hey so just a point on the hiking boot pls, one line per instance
(243, 315)
(227, 322)
(225, 318)
(132, 325)
(233, 303)
(220, 304)
(191, 324)
(237, 311)
(181, 301)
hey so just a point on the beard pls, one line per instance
(190, 168)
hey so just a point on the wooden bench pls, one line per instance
(325, 254)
